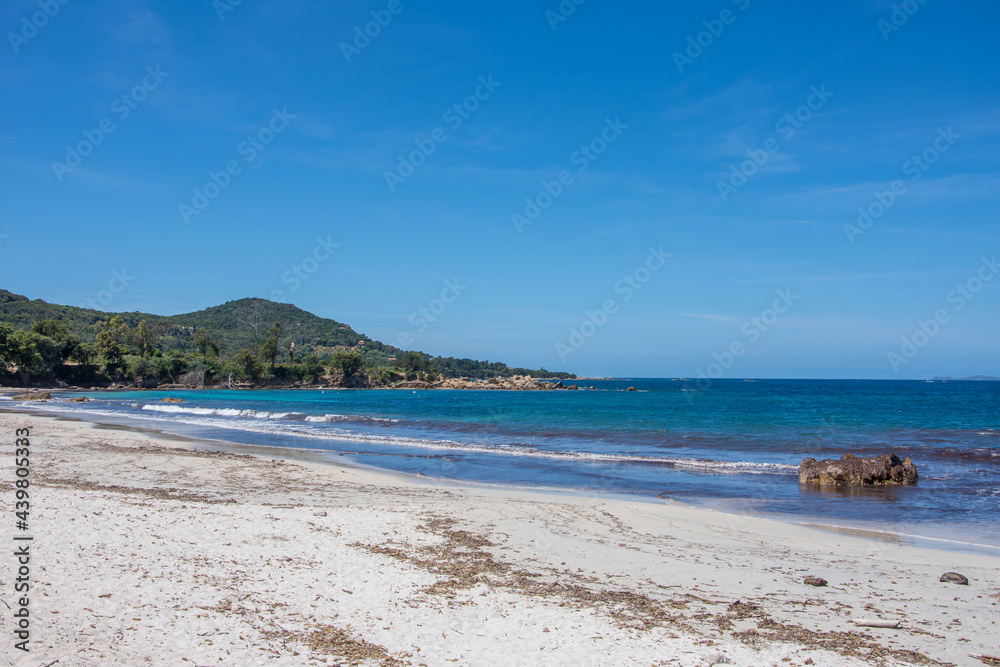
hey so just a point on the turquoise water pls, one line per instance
(735, 446)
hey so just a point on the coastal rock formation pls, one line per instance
(955, 578)
(79, 399)
(32, 396)
(414, 384)
(515, 383)
(171, 399)
(850, 470)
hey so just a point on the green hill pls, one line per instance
(239, 325)
(243, 325)
(21, 312)
(235, 325)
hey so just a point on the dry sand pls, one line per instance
(147, 551)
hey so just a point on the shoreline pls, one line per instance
(321, 457)
(498, 383)
(161, 550)
(420, 479)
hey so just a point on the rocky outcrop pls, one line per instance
(515, 383)
(413, 384)
(850, 470)
(32, 396)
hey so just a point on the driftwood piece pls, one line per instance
(875, 623)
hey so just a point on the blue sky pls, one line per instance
(647, 114)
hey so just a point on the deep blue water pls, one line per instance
(735, 446)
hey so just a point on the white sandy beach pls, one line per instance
(147, 552)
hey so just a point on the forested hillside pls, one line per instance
(247, 340)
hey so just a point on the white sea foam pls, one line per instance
(220, 412)
(510, 449)
(347, 418)
(320, 428)
(259, 414)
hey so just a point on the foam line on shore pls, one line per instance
(271, 425)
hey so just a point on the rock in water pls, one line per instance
(955, 578)
(851, 470)
(815, 581)
(33, 396)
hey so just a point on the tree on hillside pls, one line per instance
(58, 331)
(29, 354)
(348, 363)
(111, 337)
(290, 348)
(144, 338)
(84, 353)
(249, 315)
(414, 361)
(204, 343)
(54, 329)
(250, 365)
(269, 348)
(12, 353)
(313, 368)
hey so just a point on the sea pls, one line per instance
(733, 446)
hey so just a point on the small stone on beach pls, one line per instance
(955, 578)
(815, 581)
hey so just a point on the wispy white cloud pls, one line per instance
(709, 316)
(849, 196)
(830, 277)
(135, 23)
